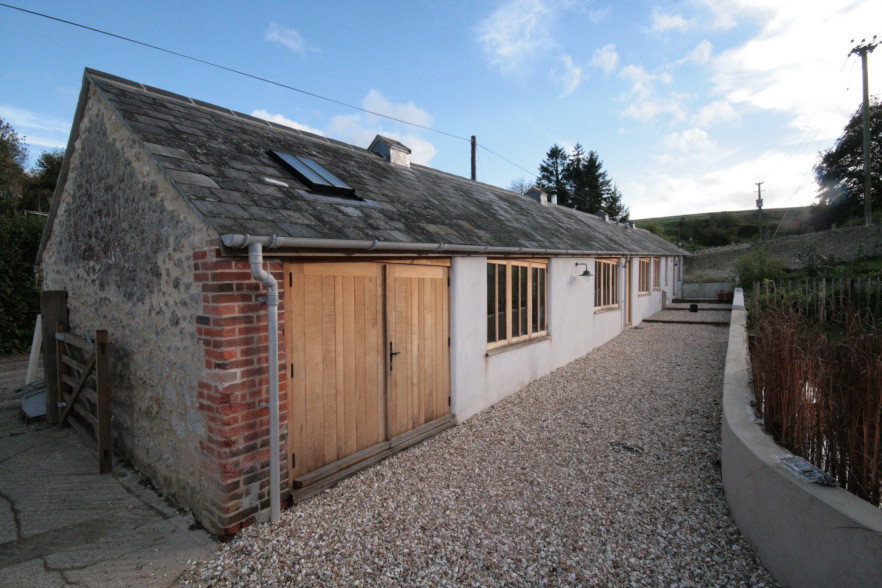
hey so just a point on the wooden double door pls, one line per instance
(368, 346)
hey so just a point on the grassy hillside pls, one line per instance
(713, 229)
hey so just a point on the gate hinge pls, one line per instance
(448, 341)
(448, 401)
(293, 461)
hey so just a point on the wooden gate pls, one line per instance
(369, 363)
(84, 388)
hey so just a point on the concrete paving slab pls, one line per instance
(62, 523)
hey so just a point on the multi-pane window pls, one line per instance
(643, 276)
(606, 283)
(656, 273)
(517, 304)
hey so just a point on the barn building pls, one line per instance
(398, 299)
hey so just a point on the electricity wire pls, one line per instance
(256, 77)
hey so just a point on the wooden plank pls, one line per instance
(440, 406)
(419, 271)
(420, 432)
(83, 413)
(339, 381)
(71, 362)
(375, 358)
(445, 348)
(329, 363)
(53, 309)
(334, 467)
(340, 269)
(294, 345)
(74, 341)
(313, 374)
(102, 370)
(414, 396)
(77, 385)
(60, 372)
(363, 437)
(350, 392)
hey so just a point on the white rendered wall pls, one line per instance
(479, 379)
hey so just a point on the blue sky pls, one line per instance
(687, 103)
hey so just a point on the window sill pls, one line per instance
(602, 310)
(642, 293)
(518, 345)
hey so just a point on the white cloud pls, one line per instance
(376, 102)
(290, 38)
(670, 22)
(45, 142)
(515, 32)
(787, 182)
(701, 54)
(716, 112)
(23, 120)
(606, 58)
(360, 129)
(794, 64)
(599, 14)
(645, 109)
(569, 76)
(282, 120)
(641, 80)
(689, 141)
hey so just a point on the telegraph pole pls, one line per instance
(862, 50)
(474, 157)
(759, 205)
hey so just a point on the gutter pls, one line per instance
(237, 241)
(255, 258)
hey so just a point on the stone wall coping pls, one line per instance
(805, 534)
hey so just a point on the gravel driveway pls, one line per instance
(606, 472)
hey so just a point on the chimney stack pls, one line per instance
(391, 150)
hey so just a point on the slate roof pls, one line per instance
(219, 161)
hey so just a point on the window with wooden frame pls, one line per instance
(517, 301)
(656, 273)
(606, 284)
(643, 276)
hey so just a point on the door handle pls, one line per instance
(392, 355)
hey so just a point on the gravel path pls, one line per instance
(605, 472)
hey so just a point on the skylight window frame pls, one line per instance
(313, 175)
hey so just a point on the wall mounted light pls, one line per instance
(584, 273)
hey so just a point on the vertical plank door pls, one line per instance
(335, 341)
(417, 352)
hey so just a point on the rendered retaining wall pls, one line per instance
(706, 290)
(805, 534)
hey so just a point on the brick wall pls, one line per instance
(234, 392)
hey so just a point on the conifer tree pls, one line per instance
(552, 176)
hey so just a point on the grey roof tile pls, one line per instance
(228, 159)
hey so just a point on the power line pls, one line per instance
(233, 70)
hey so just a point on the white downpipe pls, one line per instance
(255, 258)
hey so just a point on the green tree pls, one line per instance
(613, 204)
(840, 171)
(521, 185)
(552, 179)
(13, 155)
(38, 190)
(588, 182)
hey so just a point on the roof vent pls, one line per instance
(391, 150)
(602, 215)
(537, 195)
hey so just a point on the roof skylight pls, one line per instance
(313, 175)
